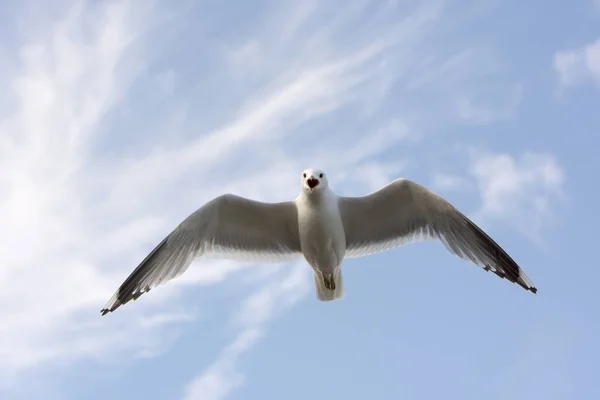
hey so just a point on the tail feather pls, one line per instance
(325, 294)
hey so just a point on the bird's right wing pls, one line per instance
(405, 211)
(229, 226)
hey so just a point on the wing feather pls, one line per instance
(404, 212)
(229, 226)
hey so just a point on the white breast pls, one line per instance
(322, 237)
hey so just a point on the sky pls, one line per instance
(120, 118)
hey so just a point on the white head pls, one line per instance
(314, 180)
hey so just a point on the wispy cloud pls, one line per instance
(523, 190)
(277, 295)
(63, 87)
(578, 66)
(473, 111)
(473, 86)
(445, 181)
(75, 220)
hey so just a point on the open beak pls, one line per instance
(312, 183)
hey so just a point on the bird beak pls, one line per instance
(312, 183)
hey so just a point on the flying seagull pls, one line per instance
(324, 228)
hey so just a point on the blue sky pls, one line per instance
(119, 118)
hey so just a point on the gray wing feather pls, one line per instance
(228, 226)
(404, 212)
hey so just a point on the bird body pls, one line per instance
(323, 228)
(322, 240)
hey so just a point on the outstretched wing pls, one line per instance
(405, 211)
(229, 226)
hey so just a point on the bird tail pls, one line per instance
(329, 286)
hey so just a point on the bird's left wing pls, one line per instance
(229, 226)
(404, 211)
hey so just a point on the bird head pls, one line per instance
(314, 180)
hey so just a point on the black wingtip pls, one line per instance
(525, 283)
(527, 286)
(129, 289)
(105, 311)
(121, 298)
(114, 303)
(521, 282)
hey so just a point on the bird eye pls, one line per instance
(304, 175)
(320, 175)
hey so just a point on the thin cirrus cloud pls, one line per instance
(526, 190)
(279, 293)
(72, 213)
(115, 133)
(464, 80)
(578, 66)
(64, 86)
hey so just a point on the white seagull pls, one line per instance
(322, 227)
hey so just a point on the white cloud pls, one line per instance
(578, 66)
(522, 190)
(75, 222)
(65, 84)
(445, 181)
(474, 111)
(220, 378)
(472, 86)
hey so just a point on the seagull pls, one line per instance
(322, 227)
